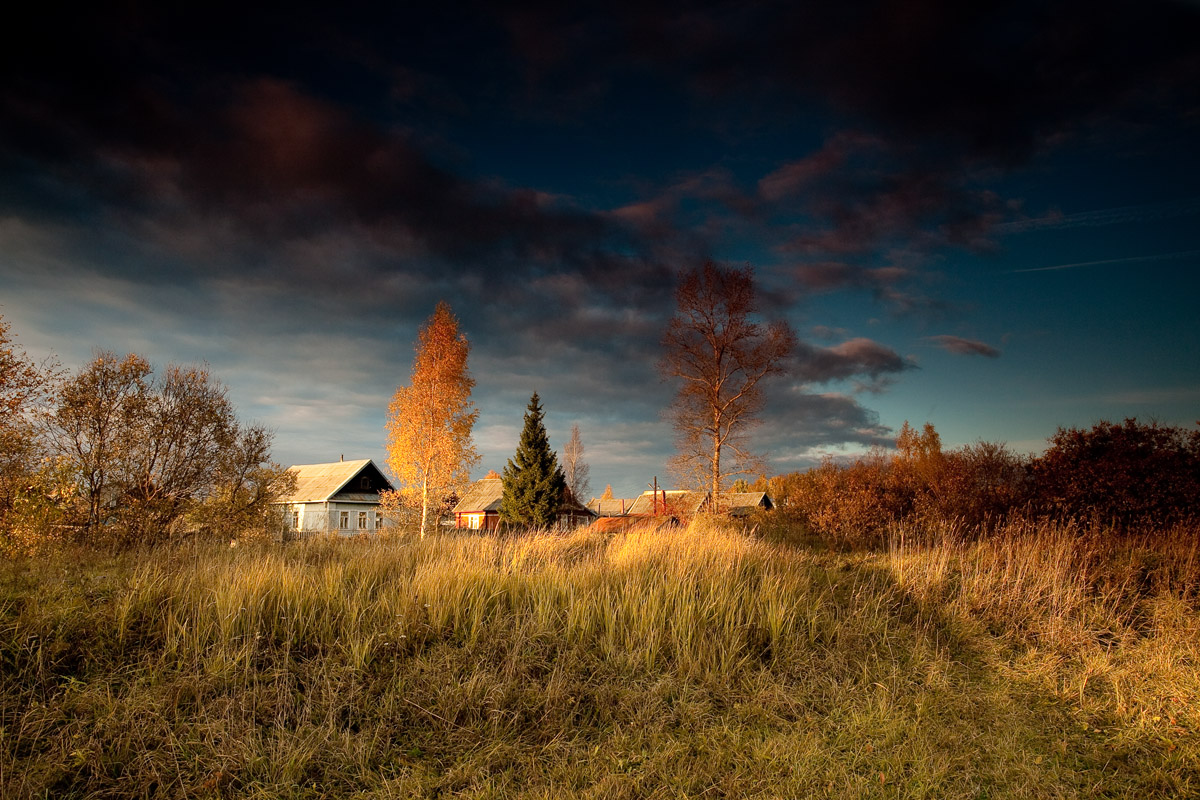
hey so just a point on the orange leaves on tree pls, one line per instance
(430, 420)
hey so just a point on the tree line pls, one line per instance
(713, 349)
(1123, 475)
(116, 454)
(1117, 477)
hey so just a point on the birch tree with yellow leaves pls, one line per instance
(430, 420)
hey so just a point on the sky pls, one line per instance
(981, 215)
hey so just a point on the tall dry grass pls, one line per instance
(696, 662)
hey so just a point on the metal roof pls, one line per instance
(317, 483)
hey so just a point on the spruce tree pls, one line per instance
(533, 481)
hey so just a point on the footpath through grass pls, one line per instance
(696, 663)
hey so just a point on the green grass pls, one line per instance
(695, 663)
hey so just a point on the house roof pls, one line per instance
(612, 507)
(485, 494)
(678, 501)
(737, 503)
(688, 503)
(317, 483)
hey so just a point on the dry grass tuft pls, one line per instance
(643, 663)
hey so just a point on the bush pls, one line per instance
(853, 505)
(1128, 474)
(150, 456)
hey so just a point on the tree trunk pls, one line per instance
(716, 462)
(424, 503)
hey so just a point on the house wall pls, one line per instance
(569, 520)
(490, 520)
(327, 518)
(477, 520)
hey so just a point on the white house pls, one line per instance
(341, 497)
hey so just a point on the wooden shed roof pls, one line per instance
(681, 502)
(612, 507)
(737, 503)
(678, 501)
(485, 494)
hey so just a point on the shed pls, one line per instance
(739, 504)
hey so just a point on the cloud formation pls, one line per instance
(291, 195)
(964, 347)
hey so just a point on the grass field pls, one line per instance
(698, 663)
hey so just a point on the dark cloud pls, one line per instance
(302, 187)
(852, 358)
(934, 98)
(964, 347)
(832, 275)
(809, 426)
(988, 80)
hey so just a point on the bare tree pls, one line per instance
(146, 452)
(245, 483)
(720, 357)
(575, 469)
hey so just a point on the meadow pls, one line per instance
(712, 661)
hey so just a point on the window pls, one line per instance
(364, 483)
(344, 520)
(378, 520)
(295, 520)
(362, 520)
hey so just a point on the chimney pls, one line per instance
(342, 457)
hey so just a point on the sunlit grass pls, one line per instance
(676, 663)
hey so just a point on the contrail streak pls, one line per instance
(1130, 260)
(1106, 216)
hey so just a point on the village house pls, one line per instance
(338, 497)
(683, 505)
(678, 503)
(610, 506)
(740, 504)
(479, 508)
